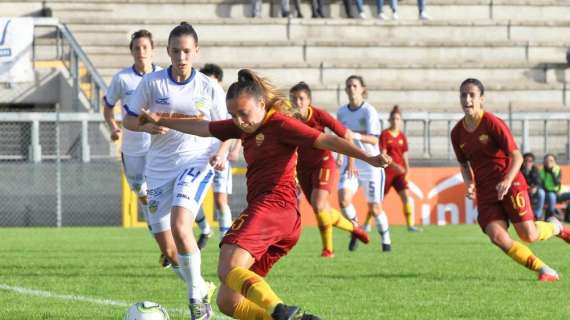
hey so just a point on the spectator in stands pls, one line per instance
(422, 10)
(359, 8)
(531, 173)
(551, 177)
(393, 6)
(317, 8)
(285, 9)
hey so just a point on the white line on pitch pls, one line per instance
(78, 298)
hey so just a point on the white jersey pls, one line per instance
(122, 87)
(174, 151)
(363, 119)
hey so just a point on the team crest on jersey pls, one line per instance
(259, 139)
(400, 142)
(164, 100)
(200, 103)
(484, 138)
(152, 206)
(362, 122)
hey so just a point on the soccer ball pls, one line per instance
(146, 310)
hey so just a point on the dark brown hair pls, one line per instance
(142, 33)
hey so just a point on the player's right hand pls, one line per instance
(381, 160)
(148, 117)
(470, 192)
(115, 134)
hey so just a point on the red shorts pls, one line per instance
(317, 178)
(515, 207)
(267, 229)
(398, 181)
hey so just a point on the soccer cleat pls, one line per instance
(285, 312)
(200, 310)
(386, 247)
(203, 240)
(360, 234)
(414, 229)
(353, 244)
(164, 262)
(563, 232)
(327, 254)
(548, 275)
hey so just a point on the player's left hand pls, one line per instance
(219, 163)
(381, 160)
(502, 189)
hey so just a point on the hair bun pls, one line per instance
(184, 23)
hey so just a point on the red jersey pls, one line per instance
(311, 157)
(487, 149)
(270, 153)
(394, 146)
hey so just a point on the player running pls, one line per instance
(134, 145)
(178, 169)
(361, 117)
(490, 161)
(271, 224)
(394, 143)
(316, 169)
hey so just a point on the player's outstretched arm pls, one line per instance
(336, 144)
(197, 127)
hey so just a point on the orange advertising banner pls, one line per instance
(437, 193)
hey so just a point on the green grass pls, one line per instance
(448, 272)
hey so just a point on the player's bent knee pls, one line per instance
(225, 300)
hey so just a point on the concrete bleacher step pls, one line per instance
(192, 9)
(330, 30)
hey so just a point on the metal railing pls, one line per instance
(86, 81)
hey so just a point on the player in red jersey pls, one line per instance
(316, 168)
(270, 225)
(394, 143)
(490, 160)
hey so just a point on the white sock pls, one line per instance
(224, 219)
(203, 222)
(178, 272)
(189, 264)
(350, 213)
(383, 228)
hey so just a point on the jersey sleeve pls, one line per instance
(501, 134)
(297, 133)
(461, 158)
(113, 93)
(141, 98)
(224, 129)
(372, 122)
(330, 122)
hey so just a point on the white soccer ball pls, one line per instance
(146, 310)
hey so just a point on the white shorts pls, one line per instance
(187, 190)
(223, 180)
(134, 172)
(372, 183)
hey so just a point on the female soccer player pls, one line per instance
(360, 117)
(316, 169)
(490, 160)
(178, 168)
(270, 225)
(394, 143)
(135, 144)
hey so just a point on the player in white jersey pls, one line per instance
(134, 144)
(361, 117)
(178, 169)
(223, 174)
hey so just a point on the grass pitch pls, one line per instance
(450, 272)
